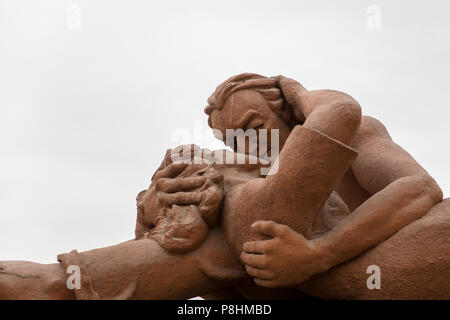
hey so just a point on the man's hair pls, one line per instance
(265, 86)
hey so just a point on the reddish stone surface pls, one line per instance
(344, 197)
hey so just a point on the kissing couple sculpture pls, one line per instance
(342, 199)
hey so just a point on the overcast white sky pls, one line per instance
(86, 114)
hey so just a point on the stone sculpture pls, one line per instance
(343, 197)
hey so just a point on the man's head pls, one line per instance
(249, 101)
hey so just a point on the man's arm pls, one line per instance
(311, 164)
(402, 192)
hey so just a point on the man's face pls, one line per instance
(247, 109)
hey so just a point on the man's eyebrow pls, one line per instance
(246, 118)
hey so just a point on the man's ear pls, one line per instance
(247, 117)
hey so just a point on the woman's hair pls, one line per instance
(265, 86)
(183, 228)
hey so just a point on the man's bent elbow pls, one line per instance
(429, 187)
(348, 116)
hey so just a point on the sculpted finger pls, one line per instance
(266, 283)
(259, 261)
(255, 246)
(270, 228)
(259, 273)
(180, 198)
(179, 184)
(172, 171)
(281, 79)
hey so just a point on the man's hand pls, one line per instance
(286, 260)
(293, 91)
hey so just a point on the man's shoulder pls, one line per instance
(372, 128)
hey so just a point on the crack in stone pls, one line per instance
(16, 274)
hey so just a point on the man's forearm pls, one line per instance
(389, 210)
(331, 112)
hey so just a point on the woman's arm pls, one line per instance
(136, 269)
(29, 280)
(403, 192)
